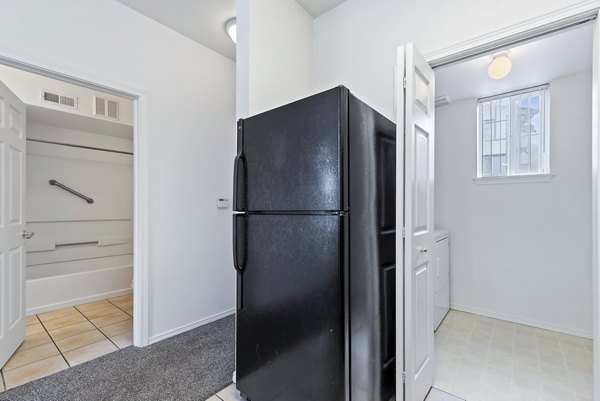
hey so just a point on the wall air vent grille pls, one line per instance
(106, 108)
(61, 100)
(100, 106)
(112, 110)
(51, 97)
(67, 101)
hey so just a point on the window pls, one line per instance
(513, 134)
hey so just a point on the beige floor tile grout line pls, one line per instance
(26, 364)
(39, 360)
(53, 342)
(96, 328)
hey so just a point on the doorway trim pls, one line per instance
(569, 16)
(140, 172)
(524, 31)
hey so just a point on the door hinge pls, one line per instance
(404, 82)
(403, 377)
(403, 232)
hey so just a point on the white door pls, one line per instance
(415, 116)
(12, 223)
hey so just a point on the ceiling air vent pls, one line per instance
(58, 99)
(106, 108)
(442, 100)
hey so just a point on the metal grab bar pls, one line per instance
(77, 243)
(82, 196)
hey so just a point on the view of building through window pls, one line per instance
(513, 134)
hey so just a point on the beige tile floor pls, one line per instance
(484, 359)
(229, 393)
(438, 395)
(67, 337)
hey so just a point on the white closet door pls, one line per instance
(12, 223)
(416, 294)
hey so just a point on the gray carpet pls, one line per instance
(191, 366)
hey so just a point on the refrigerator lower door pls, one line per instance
(290, 318)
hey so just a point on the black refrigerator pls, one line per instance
(314, 249)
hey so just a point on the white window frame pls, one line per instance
(513, 177)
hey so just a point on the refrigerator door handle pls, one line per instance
(239, 172)
(239, 242)
(239, 183)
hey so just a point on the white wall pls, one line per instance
(190, 121)
(355, 43)
(274, 54)
(521, 251)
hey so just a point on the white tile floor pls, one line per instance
(484, 359)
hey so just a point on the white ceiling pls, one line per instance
(200, 20)
(318, 7)
(204, 20)
(534, 63)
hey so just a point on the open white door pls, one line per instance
(12, 223)
(415, 117)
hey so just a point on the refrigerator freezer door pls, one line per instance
(290, 320)
(292, 158)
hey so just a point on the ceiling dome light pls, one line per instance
(500, 66)
(231, 29)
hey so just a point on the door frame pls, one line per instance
(140, 172)
(529, 30)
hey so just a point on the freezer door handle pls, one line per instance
(239, 172)
(239, 242)
(239, 183)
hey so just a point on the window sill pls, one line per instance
(514, 179)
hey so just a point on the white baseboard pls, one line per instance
(527, 322)
(190, 326)
(51, 293)
(77, 301)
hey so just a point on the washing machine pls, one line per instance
(441, 266)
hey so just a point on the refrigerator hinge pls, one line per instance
(403, 232)
(404, 82)
(403, 377)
